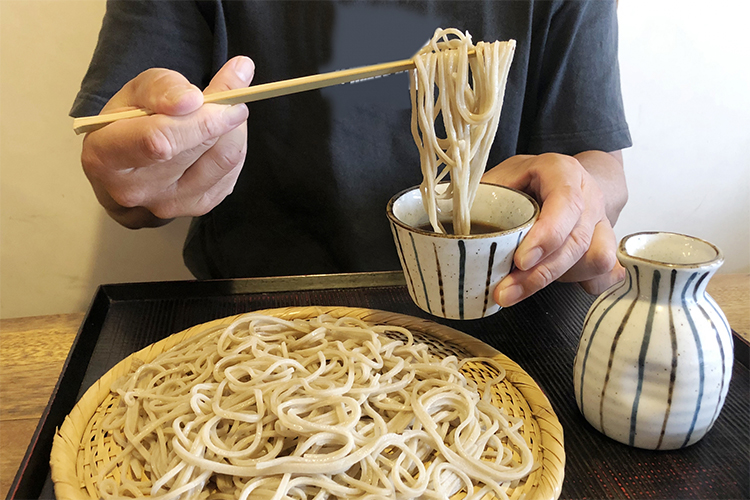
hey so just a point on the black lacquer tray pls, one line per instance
(540, 334)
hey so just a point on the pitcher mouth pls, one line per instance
(670, 250)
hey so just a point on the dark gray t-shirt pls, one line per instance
(321, 165)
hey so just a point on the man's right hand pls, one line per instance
(183, 160)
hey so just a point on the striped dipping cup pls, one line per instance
(452, 276)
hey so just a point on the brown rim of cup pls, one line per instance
(392, 217)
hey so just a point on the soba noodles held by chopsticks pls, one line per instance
(465, 94)
(322, 408)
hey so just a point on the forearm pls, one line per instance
(607, 169)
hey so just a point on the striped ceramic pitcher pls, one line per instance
(655, 356)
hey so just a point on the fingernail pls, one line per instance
(235, 114)
(509, 295)
(529, 259)
(244, 69)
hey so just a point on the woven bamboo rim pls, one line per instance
(518, 394)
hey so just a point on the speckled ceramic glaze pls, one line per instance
(453, 276)
(655, 356)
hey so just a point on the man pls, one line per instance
(301, 185)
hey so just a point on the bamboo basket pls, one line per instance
(79, 446)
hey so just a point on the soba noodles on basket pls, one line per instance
(319, 408)
(465, 94)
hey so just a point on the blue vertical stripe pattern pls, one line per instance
(518, 244)
(456, 280)
(487, 284)
(461, 276)
(644, 350)
(673, 371)
(616, 338)
(441, 290)
(701, 368)
(719, 343)
(719, 314)
(596, 328)
(400, 249)
(727, 360)
(419, 267)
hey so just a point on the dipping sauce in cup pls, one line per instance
(453, 276)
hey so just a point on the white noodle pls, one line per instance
(465, 94)
(318, 409)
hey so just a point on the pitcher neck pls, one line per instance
(669, 266)
(668, 284)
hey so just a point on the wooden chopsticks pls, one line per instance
(260, 92)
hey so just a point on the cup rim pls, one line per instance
(717, 259)
(392, 217)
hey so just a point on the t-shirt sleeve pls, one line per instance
(137, 35)
(579, 101)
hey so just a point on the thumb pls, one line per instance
(159, 90)
(238, 72)
(510, 173)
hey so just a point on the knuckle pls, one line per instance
(92, 165)
(153, 73)
(162, 212)
(229, 157)
(601, 261)
(166, 209)
(210, 127)
(153, 77)
(157, 144)
(202, 207)
(188, 207)
(561, 161)
(544, 276)
(205, 203)
(577, 201)
(579, 243)
(557, 236)
(550, 157)
(129, 197)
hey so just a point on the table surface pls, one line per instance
(33, 350)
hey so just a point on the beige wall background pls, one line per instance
(685, 83)
(56, 243)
